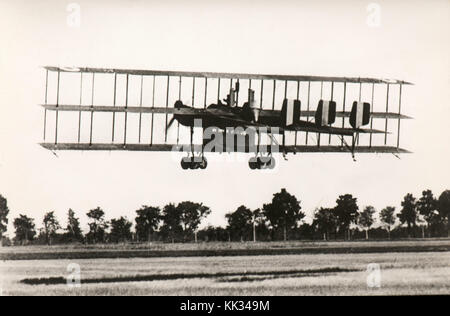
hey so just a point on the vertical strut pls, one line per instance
(285, 97)
(300, 110)
(332, 93)
(126, 114)
(92, 110)
(57, 113)
(45, 101)
(359, 99)
(178, 123)
(167, 105)
(307, 109)
(360, 87)
(81, 101)
(114, 104)
(387, 109)
(140, 105)
(321, 95)
(193, 92)
(206, 92)
(237, 92)
(343, 110)
(153, 105)
(273, 95)
(218, 91)
(371, 110)
(399, 113)
(262, 89)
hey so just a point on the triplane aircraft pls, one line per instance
(226, 124)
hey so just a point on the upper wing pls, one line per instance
(223, 75)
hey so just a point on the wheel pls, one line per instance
(263, 162)
(185, 164)
(271, 163)
(253, 163)
(204, 163)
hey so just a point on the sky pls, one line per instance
(407, 40)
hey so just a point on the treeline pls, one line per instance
(280, 219)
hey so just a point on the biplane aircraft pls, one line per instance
(228, 126)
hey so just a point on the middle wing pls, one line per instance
(312, 127)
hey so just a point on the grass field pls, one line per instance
(150, 250)
(318, 273)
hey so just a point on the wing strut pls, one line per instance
(45, 100)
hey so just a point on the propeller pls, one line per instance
(170, 123)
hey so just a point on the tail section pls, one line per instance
(290, 112)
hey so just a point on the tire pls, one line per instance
(185, 164)
(271, 164)
(204, 164)
(253, 163)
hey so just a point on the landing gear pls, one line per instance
(194, 163)
(261, 162)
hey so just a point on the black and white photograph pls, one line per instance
(221, 154)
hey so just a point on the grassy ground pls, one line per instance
(149, 250)
(305, 274)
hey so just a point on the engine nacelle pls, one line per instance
(325, 113)
(290, 112)
(360, 114)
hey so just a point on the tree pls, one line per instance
(346, 212)
(25, 229)
(387, 217)
(408, 213)
(283, 212)
(147, 222)
(4, 211)
(365, 219)
(120, 230)
(444, 208)
(97, 226)
(211, 233)
(51, 225)
(192, 215)
(240, 222)
(171, 227)
(73, 230)
(324, 221)
(427, 206)
(259, 224)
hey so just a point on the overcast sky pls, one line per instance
(330, 38)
